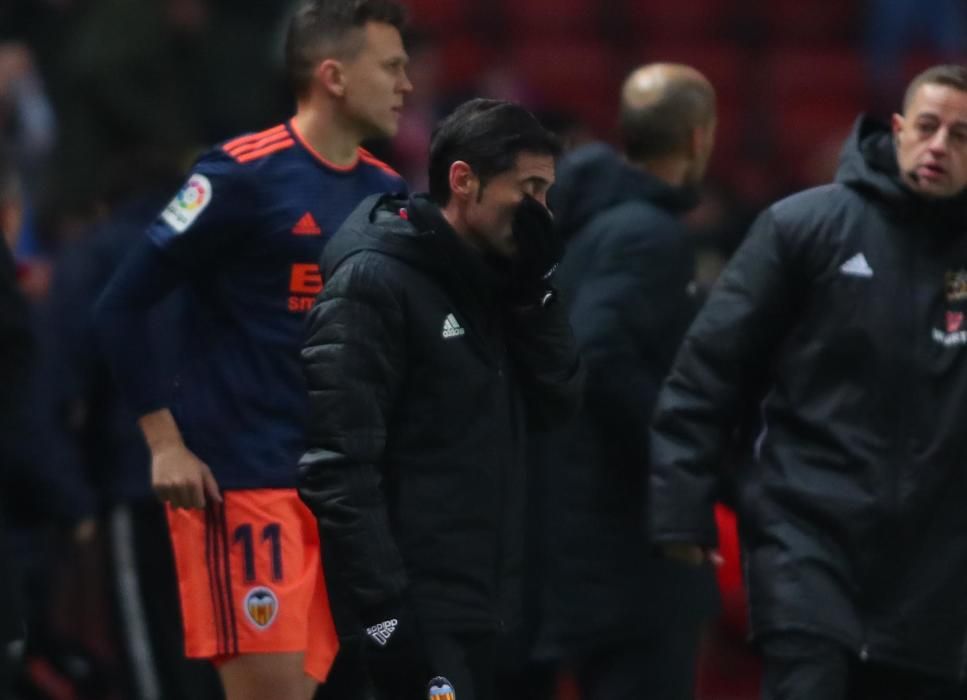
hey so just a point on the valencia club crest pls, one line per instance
(261, 607)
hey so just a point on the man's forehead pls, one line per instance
(382, 36)
(939, 100)
(530, 165)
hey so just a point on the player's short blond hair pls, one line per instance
(951, 75)
(321, 29)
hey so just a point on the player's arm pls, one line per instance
(551, 372)
(723, 357)
(208, 215)
(541, 342)
(354, 362)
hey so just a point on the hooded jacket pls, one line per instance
(625, 281)
(423, 386)
(847, 303)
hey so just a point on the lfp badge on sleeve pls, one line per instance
(188, 203)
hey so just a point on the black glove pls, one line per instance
(395, 648)
(539, 250)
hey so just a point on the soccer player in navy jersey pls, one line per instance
(245, 234)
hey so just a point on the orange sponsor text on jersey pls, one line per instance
(305, 282)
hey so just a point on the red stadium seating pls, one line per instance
(728, 135)
(809, 134)
(440, 17)
(680, 19)
(580, 78)
(553, 17)
(830, 74)
(462, 59)
(918, 61)
(813, 22)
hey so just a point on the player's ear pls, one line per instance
(897, 122)
(331, 76)
(463, 181)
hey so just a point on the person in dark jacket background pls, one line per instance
(847, 304)
(435, 347)
(627, 623)
(105, 448)
(15, 350)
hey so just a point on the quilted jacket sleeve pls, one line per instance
(721, 360)
(552, 373)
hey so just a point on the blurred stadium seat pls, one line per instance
(582, 80)
(553, 17)
(918, 61)
(462, 59)
(809, 135)
(678, 19)
(441, 17)
(831, 74)
(813, 22)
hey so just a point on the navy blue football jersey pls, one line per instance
(247, 229)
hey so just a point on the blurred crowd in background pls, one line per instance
(105, 103)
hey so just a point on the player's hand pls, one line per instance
(181, 479)
(539, 250)
(688, 553)
(395, 646)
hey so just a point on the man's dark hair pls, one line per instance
(487, 135)
(663, 127)
(322, 29)
(950, 75)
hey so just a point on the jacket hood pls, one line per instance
(413, 230)
(868, 164)
(595, 177)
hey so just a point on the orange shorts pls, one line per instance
(250, 579)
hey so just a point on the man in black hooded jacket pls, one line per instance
(847, 303)
(434, 348)
(627, 623)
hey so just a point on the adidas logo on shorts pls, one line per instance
(381, 632)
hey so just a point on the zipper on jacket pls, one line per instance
(904, 426)
(909, 333)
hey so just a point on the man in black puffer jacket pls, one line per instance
(627, 623)
(847, 302)
(435, 347)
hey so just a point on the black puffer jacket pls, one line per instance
(423, 386)
(625, 281)
(848, 301)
